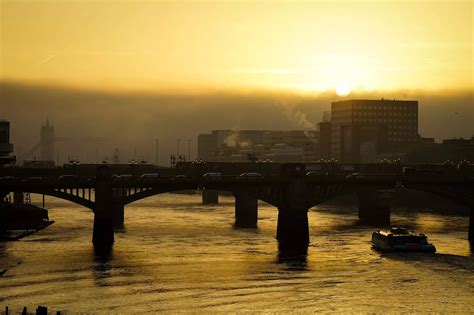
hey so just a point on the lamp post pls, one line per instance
(178, 148)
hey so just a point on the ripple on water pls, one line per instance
(175, 254)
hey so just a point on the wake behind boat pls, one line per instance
(401, 240)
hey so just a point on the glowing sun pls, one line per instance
(343, 89)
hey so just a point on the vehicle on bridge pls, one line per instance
(356, 176)
(9, 178)
(67, 177)
(347, 168)
(401, 240)
(150, 176)
(180, 178)
(122, 177)
(212, 177)
(250, 176)
(316, 173)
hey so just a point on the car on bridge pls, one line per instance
(316, 173)
(122, 177)
(67, 177)
(150, 176)
(180, 178)
(251, 176)
(356, 176)
(212, 177)
(347, 168)
(9, 178)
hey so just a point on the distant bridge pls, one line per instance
(291, 188)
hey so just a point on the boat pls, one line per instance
(399, 239)
(18, 221)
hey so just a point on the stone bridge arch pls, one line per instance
(63, 194)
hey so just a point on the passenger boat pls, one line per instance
(401, 240)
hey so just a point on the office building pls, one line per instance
(361, 130)
(6, 148)
(269, 145)
(324, 144)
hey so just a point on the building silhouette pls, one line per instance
(365, 130)
(324, 143)
(47, 139)
(6, 148)
(447, 151)
(269, 145)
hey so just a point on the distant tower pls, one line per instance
(47, 142)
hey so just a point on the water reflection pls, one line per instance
(120, 229)
(186, 256)
(296, 257)
(102, 266)
(246, 229)
(2, 250)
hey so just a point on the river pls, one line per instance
(176, 254)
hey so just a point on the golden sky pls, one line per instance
(310, 46)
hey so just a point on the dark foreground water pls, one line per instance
(176, 254)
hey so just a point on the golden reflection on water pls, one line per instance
(176, 254)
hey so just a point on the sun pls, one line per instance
(343, 89)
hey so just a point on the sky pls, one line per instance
(309, 46)
(131, 72)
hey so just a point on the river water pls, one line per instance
(176, 254)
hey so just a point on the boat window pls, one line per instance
(410, 239)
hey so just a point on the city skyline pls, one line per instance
(77, 127)
(236, 156)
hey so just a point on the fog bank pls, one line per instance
(90, 124)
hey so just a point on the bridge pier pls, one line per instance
(210, 197)
(104, 214)
(18, 198)
(103, 233)
(246, 210)
(374, 206)
(293, 229)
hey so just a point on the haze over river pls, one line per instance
(176, 254)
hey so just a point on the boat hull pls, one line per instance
(405, 248)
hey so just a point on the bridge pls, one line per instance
(291, 188)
